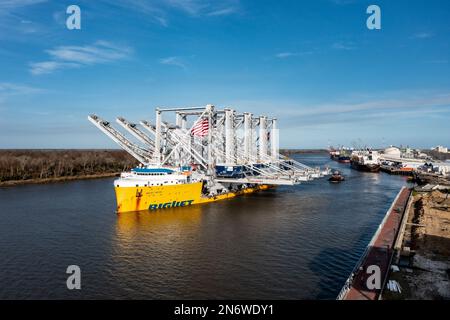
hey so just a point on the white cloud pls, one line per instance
(13, 21)
(12, 4)
(344, 46)
(283, 55)
(159, 10)
(192, 7)
(99, 52)
(223, 12)
(288, 54)
(46, 67)
(204, 8)
(10, 89)
(173, 61)
(162, 21)
(356, 108)
(64, 57)
(372, 104)
(422, 35)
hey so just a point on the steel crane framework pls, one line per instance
(233, 147)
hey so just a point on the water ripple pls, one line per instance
(287, 243)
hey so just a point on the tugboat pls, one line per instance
(336, 177)
(365, 160)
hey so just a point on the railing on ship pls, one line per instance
(350, 279)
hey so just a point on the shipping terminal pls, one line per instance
(208, 154)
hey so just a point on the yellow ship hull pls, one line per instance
(169, 196)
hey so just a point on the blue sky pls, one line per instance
(313, 64)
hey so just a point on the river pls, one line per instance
(286, 243)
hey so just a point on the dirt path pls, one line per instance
(425, 272)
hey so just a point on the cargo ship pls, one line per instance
(365, 160)
(341, 155)
(154, 188)
(344, 156)
(220, 155)
(334, 154)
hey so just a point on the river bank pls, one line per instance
(34, 166)
(424, 248)
(411, 251)
(45, 166)
(11, 183)
(288, 152)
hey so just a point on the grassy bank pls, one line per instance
(288, 152)
(44, 166)
(41, 166)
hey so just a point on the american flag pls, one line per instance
(201, 128)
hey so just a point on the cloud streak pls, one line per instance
(223, 12)
(14, 20)
(159, 10)
(344, 46)
(283, 55)
(352, 112)
(422, 35)
(11, 89)
(288, 54)
(173, 61)
(8, 90)
(64, 57)
(13, 4)
(357, 109)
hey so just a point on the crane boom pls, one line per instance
(136, 132)
(141, 154)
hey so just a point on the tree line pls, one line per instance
(45, 164)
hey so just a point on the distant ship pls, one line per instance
(334, 154)
(342, 155)
(365, 160)
(344, 159)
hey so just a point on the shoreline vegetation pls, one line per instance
(33, 166)
(45, 166)
(288, 152)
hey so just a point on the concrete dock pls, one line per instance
(379, 253)
(423, 248)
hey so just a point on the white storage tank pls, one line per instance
(393, 152)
